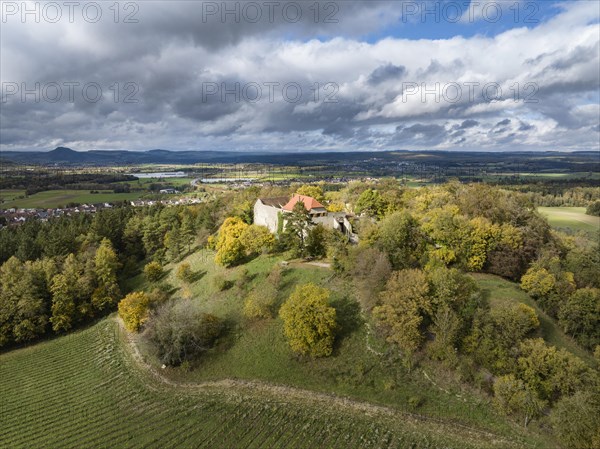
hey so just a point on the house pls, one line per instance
(270, 212)
(169, 191)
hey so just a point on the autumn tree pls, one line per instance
(311, 190)
(372, 204)
(106, 265)
(230, 249)
(514, 398)
(153, 271)
(257, 239)
(185, 273)
(309, 322)
(134, 310)
(404, 302)
(260, 303)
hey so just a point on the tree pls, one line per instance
(313, 191)
(538, 282)
(296, 229)
(593, 208)
(316, 241)
(180, 331)
(309, 322)
(514, 398)
(184, 273)
(579, 316)
(403, 303)
(63, 304)
(23, 314)
(401, 238)
(257, 239)
(446, 325)
(153, 271)
(371, 203)
(188, 230)
(575, 420)
(106, 266)
(173, 242)
(230, 249)
(134, 310)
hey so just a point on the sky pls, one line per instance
(275, 76)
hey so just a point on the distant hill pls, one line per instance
(584, 161)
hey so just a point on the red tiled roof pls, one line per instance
(309, 202)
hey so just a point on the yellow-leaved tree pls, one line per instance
(133, 310)
(309, 322)
(230, 250)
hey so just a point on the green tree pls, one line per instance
(309, 322)
(153, 271)
(371, 203)
(106, 264)
(134, 310)
(174, 243)
(579, 316)
(316, 239)
(575, 420)
(23, 314)
(401, 238)
(63, 304)
(514, 398)
(404, 302)
(296, 229)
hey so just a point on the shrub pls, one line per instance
(153, 271)
(221, 283)
(184, 273)
(180, 331)
(133, 310)
(260, 303)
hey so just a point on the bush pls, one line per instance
(133, 310)
(180, 331)
(185, 273)
(594, 209)
(221, 283)
(260, 303)
(153, 271)
(575, 420)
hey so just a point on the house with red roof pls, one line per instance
(270, 212)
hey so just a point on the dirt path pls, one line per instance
(235, 388)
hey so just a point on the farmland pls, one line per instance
(87, 390)
(57, 198)
(573, 218)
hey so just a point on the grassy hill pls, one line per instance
(101, 387)
(86, 390)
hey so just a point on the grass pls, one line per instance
(257, 350)
(57, 198)
(85, 390)
(500, 290)
(573, 218)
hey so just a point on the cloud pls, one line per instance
(354, 91)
